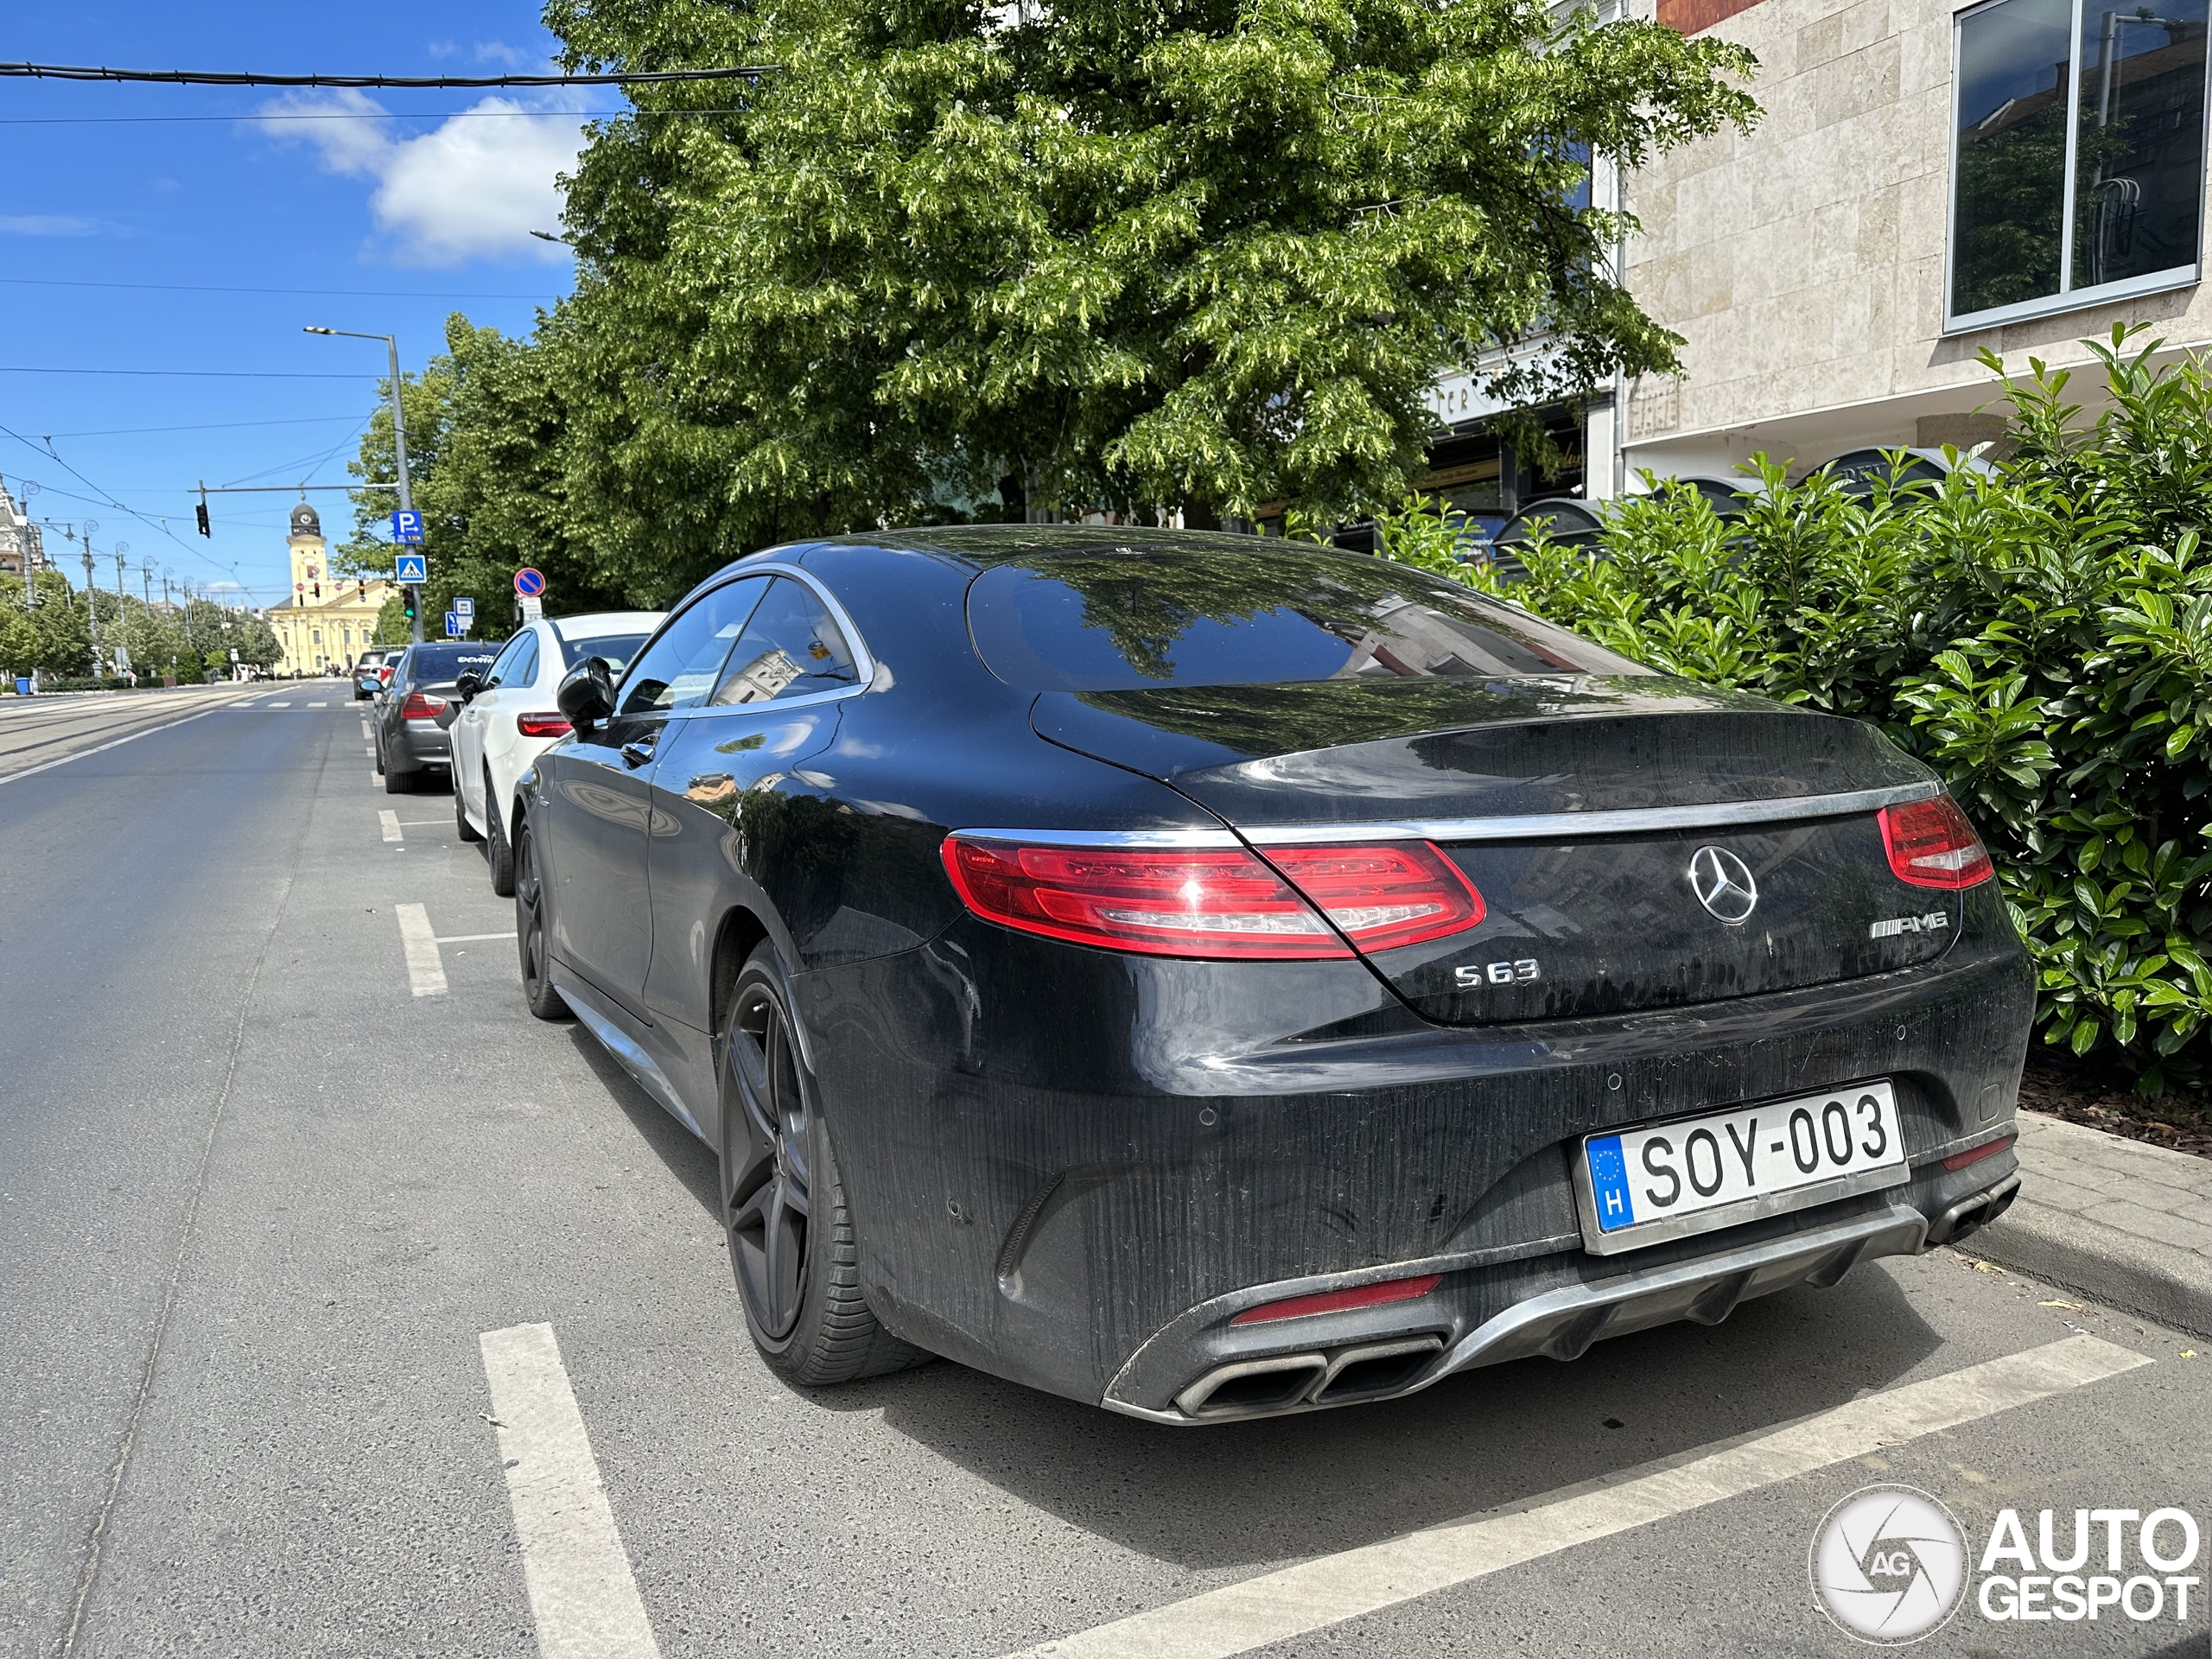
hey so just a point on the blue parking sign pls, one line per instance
(411, 570)
(407, 524)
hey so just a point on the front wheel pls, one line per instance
(791, 1235)
(498, 852)
(461, 826)
(537, 992)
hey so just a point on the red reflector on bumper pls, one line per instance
(1335, 1301)
(1975, 1155)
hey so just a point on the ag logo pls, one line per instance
(1889, 1565)
(1722, 884)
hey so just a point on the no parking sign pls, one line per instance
(529, 583)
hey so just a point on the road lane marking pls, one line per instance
(390, 821)
(582, 1598)
(368, 748)
(1316, 1594)
(102, 748)
(472, 938)
(318, 705)
(276, 705)
(426, 974)
(374, 778)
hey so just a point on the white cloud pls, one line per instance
(499, 52)
(473, 188)
(52, 224)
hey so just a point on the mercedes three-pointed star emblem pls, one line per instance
(1722, 884)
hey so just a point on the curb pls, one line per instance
(2137, 1276)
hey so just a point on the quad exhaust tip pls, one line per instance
(1258, 1388)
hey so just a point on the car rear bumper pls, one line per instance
(424, 743)
(1074, 1169)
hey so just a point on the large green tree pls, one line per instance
(1202, 254)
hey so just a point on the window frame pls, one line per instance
(2067, 298)
(863, 659)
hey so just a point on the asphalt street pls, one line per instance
(329, 1278)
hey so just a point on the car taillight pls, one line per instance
(1394, 893)
(421, 706)
(1335, 1301)
(1216, 902)
(1931, 844)
(542, 725)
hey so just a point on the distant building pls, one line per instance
(329, 619)
(20, 539)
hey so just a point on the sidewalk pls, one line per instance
(2128, 1224)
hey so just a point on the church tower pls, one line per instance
(311, 578)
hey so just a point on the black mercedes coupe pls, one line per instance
(1217, 977)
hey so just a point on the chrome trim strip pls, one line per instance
(1104, 837)
(1553, 826)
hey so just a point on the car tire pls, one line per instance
(499, 853)
(784, 1218)
(398, 783)
(379, 751)
(461, 826)
(537, 992)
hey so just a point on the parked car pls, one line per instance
(1861, 470)
(1215, 986)
(368, 679)
(409, 739)
(507, 717)
(1567, 520)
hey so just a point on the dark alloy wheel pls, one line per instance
(530, 938)
(498, 852)
(792, 1243)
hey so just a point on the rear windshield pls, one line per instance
(445, 662)
(617, 648)
(1259, 614)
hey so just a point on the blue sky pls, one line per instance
(408, 205)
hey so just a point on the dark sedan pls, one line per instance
(1214, 978)
(411, 738)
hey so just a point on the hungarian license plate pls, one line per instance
(1694, 1174)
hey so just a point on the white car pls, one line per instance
(511, 719)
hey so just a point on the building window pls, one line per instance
(2078, 163)
(318, 636)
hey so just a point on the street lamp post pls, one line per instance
(398, 432)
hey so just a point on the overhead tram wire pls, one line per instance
(354, 115)
(244, 78)
(156, 522)
(197, 287)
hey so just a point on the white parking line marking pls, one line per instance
(374, 780)
(276, 705)
(318, 705)
(368, 749)
(471, 938)
(581, 1596)
(425, 973)
(1315, 1594)
(390, 820)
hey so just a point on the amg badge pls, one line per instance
(1934, 920)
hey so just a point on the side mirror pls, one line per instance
(587, 694)
(466, 686)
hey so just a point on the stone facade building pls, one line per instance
(330, 620)
(20, 543)
(1930, 181)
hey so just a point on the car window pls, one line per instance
(680, 667)
(503, 670)
(431, 664)
(1119, 620)
(616, 648)
(790, 649)
(524, 671)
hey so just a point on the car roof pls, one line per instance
(595, 622)
(985, 545)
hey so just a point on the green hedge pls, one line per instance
(2042, 637)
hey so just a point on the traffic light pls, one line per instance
(200, 513)
(407, 603)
